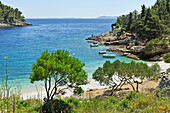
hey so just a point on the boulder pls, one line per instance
(133, 56)
(156, 58)
(164, 86)
(137, 49)
(125, 54)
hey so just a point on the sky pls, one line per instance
(76, 8)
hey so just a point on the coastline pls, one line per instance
(128, 45)
(92, 86)
(18, 23)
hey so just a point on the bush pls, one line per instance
(156, 45)
(73, 102)
(56, 106)
(168, 70)
(132, 95)
(78, 90)
(167, 58)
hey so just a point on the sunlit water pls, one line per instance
(23, 45)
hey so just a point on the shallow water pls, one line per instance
(23, 45)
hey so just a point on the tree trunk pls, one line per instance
(121, 85)
(118, 86)
(132, 85)
(47, 92)
(137, 86)
(55, 90)
(112, 90)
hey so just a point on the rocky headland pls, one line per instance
(129, 45)
(18, 23)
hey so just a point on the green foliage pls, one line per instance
(56, 106)
(124, 28)
(155, 45)
(168, 70)
(125, 72)
(9, 14)
(130, 21)
(58, 66)
(18, 105)
(167, 58)
(78, 90)
(132, 95)
(143, 11)
(133, 102)
(117, 23)
(152, 23)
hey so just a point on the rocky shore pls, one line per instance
(130, 46)
(18, 23)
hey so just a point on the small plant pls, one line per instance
(167, 58)
(78, 90)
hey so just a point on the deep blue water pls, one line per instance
(23, 45)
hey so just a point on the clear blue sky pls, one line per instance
(76, 8)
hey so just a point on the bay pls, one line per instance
(23, 45)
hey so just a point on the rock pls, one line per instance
(125, 54)
(20, 22)
(133, 56)
(164, 86)
(137, 49)
(161, 59)
(155, 58)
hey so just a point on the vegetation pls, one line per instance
(151, 23)
(167, 58)
(9, 14)
(125, 73)
(58, 66)
(157, 44)
(132, 102)
(117, 23)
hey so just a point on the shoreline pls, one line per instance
(18, 23)
(127, 45)
(93, 85)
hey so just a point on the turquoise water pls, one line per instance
(23, 45)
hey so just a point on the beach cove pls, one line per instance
(23, 45)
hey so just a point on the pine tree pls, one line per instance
(143, 11)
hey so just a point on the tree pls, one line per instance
(9, 14)
(130, 21)
(57, 66)
(143, 11)
(148, 15)
(135, 12)
(119, 73)
(154, 28)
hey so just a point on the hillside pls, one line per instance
(144, 35)
(11, 17)
(107, 17)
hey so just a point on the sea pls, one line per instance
(23, 45)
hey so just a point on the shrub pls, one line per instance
(167, 58)
(78, 90)
(132, 95)
(56, 106)
(168, 70)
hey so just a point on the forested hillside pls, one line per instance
(151, 23)
(151, 27)
(9, 14)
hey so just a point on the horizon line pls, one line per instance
(68, 17)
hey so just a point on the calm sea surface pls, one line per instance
(23, 45)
